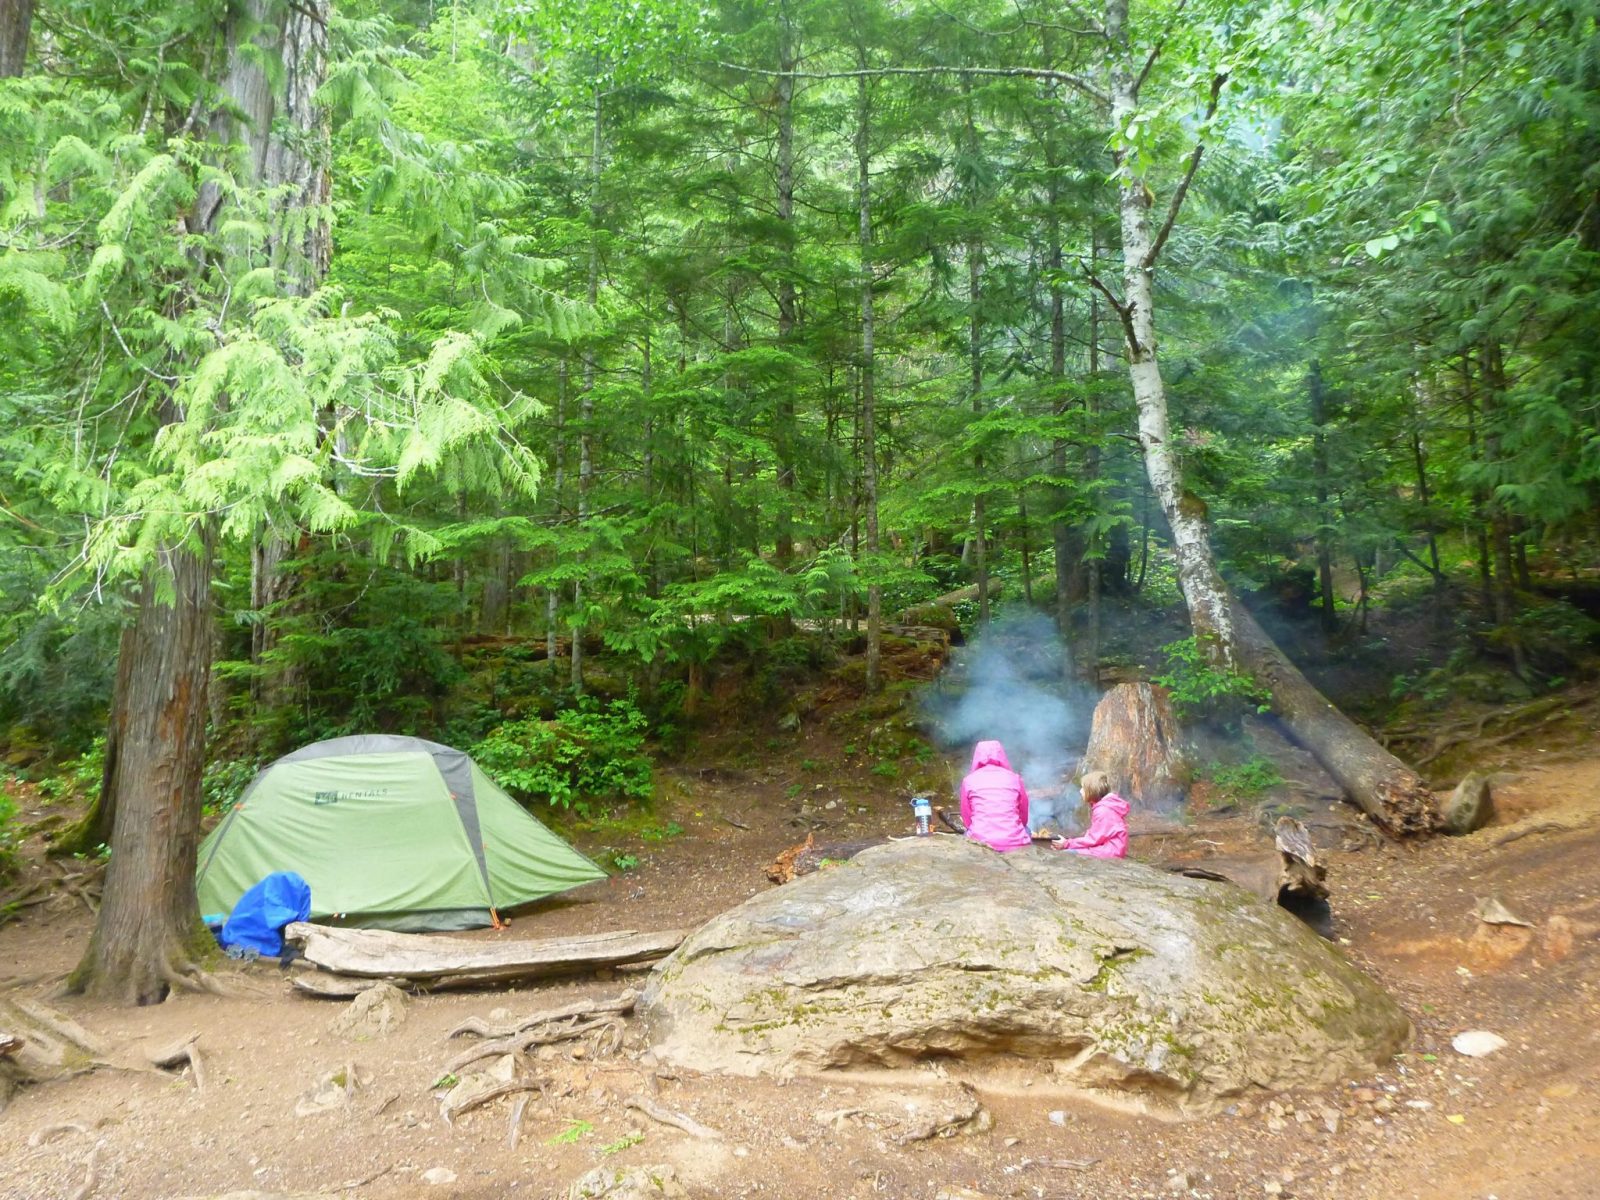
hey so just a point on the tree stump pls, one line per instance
(1134, 740)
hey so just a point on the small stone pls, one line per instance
(1364, 1095)
(1477, 1043)
(1470, 807)
(1277, 1124)
(1058, 1117)
(1383, 1104)
(1330, 1119)
(1178, 1183)
(1560, 1091)
(831, 805)
(1272, 1187)
(438, 1176)
(1012, 1141)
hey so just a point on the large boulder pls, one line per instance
(1119, 975)
(1135, 740)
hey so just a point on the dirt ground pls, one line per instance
(1433, 1125)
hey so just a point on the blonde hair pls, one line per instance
(1096, 786)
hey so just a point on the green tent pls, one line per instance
(393, 832)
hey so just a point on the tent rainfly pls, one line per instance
(390, 832)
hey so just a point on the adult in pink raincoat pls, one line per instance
(994, 802)
(1107, 835)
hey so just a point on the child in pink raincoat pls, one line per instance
(1107, 835)
(994, 802)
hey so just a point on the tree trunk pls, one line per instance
(552, 597)
(16, 24)
(1380, 784)
(788, 55)
(1502, 589)
(1319, 466)
(869, 433)
(586, 400)
(149, 934)
(300, 244)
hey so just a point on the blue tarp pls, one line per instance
(262, 912)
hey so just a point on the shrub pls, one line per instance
(10, 835)
(590, 753)
(1241, 781)
(1199, 688)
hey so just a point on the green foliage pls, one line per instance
(79, 777)
(575, 1132)
(10, 835)
(1200, 688)
(224, 783)
(1245, 780)
(589, 754)
(624, 1142)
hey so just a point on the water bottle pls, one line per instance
(922, 808)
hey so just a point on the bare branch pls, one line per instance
(1124, 311)
(1182, 190)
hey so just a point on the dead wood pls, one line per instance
(441, 961)
(340, 987)
(809, 856)
(667, 1116)
(1060, 1164)
(477, 1027)
(453, 1109)
(182, 1052)
(1292, 875)
(514, 1128)
(547, 1035)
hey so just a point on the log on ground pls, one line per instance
(1383, 787)
(380, 954)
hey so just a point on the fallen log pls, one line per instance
(1383, 787)
(436, 961)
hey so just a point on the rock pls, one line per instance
(333, 1091)
(627, 1183)
(1493, 946)
(1477, 1043)
(1491, 910)
(1128, 977)
(1470, 807)
(438, 1176)
(1555, 940)
(377, 1011)
(1134, 740)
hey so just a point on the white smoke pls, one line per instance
(1008, 685)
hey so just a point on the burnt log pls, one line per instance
(1134, 740)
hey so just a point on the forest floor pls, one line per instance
(1518, 1125)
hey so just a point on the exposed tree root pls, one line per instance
(91, 1173)
(452, 1110)
(666, 1116)
(522, 1042)
(622, 1003)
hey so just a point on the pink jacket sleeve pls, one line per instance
(1022, 801)
(966, 804)
(1105, 838)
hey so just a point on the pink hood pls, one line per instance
(994, 803)
(990, 754)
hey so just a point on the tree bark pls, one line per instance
(869, 433)
(16, 26)
(1319, 466)
(1380, 784)
(586, 398)
(148, 934)
(788, 56)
